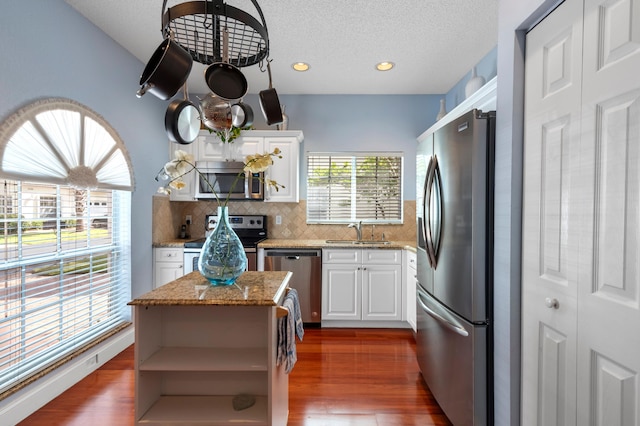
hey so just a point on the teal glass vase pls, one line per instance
(222, 259)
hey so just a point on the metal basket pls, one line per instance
(198, 25)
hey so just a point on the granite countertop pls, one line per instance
(177, 243)
(283, 243)
(261, 288)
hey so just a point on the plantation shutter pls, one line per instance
(345, 187)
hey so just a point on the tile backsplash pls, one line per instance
(168, 216)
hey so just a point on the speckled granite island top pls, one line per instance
(250, 289)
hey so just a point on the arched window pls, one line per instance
(65, 208)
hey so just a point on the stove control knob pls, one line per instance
(251, 222)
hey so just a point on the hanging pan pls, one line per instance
(225, 80)
(166, 71)
(242, 115)
(269, 102)
(182, 120)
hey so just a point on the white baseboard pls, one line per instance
(20, 405)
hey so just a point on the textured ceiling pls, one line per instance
(433, 43)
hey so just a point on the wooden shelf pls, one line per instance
(206, 359)
(200, 410)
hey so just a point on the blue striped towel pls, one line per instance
(289, 327)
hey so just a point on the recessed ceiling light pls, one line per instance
(384, 66)
(300, 66)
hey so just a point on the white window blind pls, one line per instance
(65, 278)
(344, 187)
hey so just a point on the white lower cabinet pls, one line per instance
(361, 285)
(410, 278)
(192, 361)
(168, 264)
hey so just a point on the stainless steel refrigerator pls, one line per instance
(455, 257)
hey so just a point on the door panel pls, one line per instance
(609, 257)
(550, 218)
(461, 149)
(445, 344)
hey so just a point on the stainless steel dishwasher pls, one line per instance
(306, 266)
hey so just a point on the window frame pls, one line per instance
(355, 196)
(90, 157)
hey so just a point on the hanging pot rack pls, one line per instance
(198, 26)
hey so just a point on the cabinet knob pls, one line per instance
(551, 303)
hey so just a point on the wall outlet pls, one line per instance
(278, 220)
(188, 219)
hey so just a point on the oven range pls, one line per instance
(251, 229)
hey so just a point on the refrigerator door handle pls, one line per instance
(426, 227)
(446, 319)
(433, 181)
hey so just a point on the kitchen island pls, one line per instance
(207, 355)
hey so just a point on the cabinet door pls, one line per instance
(285, 170)
(409, 285)
(341, 292)
(210, 148)
(165, 272)
(186, 193)
(382, 292)
(167, 265)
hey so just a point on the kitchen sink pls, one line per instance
(368, 242)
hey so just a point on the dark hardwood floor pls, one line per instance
(345, 377)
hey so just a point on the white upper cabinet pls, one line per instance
(186, 193)
(211, 148)
(285, 170)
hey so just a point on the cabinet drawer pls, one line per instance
(168, 255)
(341, 256)
(387, 257)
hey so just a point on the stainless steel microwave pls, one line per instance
(228, 178)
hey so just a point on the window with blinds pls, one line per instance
(63, 272)
(65, 245)
(363, 186)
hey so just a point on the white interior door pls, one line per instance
(609, 257)
(581, 223)
(551, 218)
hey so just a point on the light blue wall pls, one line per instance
(52, 51)
(49, 50)
(358, 123)
(487, 68)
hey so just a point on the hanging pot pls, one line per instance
(242, 115)
(225, 80)
(182, 120)
(269, 102)
(166, 71)
(216, 112)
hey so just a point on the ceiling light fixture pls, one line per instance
(300, 66)
(384, 66)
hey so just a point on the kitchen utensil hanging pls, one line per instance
(198, 28)
(270, 103)
(182, 120)
(216, 112)
(225, 80)
(166, 71)
(241, 115)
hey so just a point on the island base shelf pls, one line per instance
(200, 410)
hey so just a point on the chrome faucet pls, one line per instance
(358, 226)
